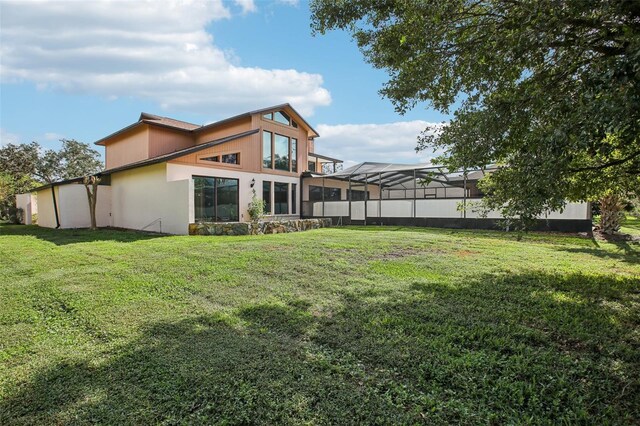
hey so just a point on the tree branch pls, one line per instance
(606, 165)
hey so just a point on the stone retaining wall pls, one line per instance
(248, 228)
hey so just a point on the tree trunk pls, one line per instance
(610, 213)
(92, 196)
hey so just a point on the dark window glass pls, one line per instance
(294, 124)
(315, 193)
(266, 150)
(281, 157)
(231, 158)
(204, 199)
(280, 197)
(215, 158)
(227, 200)
(294, 155)
(268, 116)
(281, 117)
(312, 166)
(266, 196)
(357, 195)
(330, 194)
(293, 198)
(215, 199)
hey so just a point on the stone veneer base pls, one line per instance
(259, 228)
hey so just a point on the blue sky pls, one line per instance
(85, 69)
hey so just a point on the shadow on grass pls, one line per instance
(74, 236)
(625, 252)
(501, 349)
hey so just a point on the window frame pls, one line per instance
(215, 196)
(293, 164)
(201, 159)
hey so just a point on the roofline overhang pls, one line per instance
(155, 160)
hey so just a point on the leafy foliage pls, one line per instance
(549, 88)
(25, 166)
(256, 207)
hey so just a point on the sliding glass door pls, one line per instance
(215, 199)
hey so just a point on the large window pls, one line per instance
(266, 196)
(279, 152)
(280, 117)
(281, 197)
(267, 161)
(330, 194)
(215, 199)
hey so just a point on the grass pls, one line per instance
(631, 225)
(341, 325)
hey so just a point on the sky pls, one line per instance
(84, 69)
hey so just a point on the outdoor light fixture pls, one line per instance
(253, 182)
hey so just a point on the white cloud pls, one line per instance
(246, 5)
(384, 143)
(7, 138)
(50, 136)
(158, 51)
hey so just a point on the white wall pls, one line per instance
(46, 214)
(29, 204)
(443, 208)
(182, 171)
(143, 196)
(73, 206)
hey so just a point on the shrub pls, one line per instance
(256, 207)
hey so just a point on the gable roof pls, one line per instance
(169, 122)
(155, 160)
(184, 126)
(260, 111)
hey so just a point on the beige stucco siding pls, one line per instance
(128, 148)
(46, 214)
(142, 198)
(180, 172)
(73, 206)
(28, 202)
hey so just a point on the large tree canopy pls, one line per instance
(549, 88)
(25, 166)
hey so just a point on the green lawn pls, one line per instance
(631, 225)
(340, 325)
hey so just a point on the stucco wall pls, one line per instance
(46, 214)
(443, 208)
(29, 204)
(143, 199)
(176, 172)
(73, 206)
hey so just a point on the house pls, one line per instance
(163, 174)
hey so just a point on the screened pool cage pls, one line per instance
(373, 191)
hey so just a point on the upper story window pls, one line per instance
(224, 158)
(280, 117)
(279, 152)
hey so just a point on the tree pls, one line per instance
(91, 185)
(25, 166)
(550, 89)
